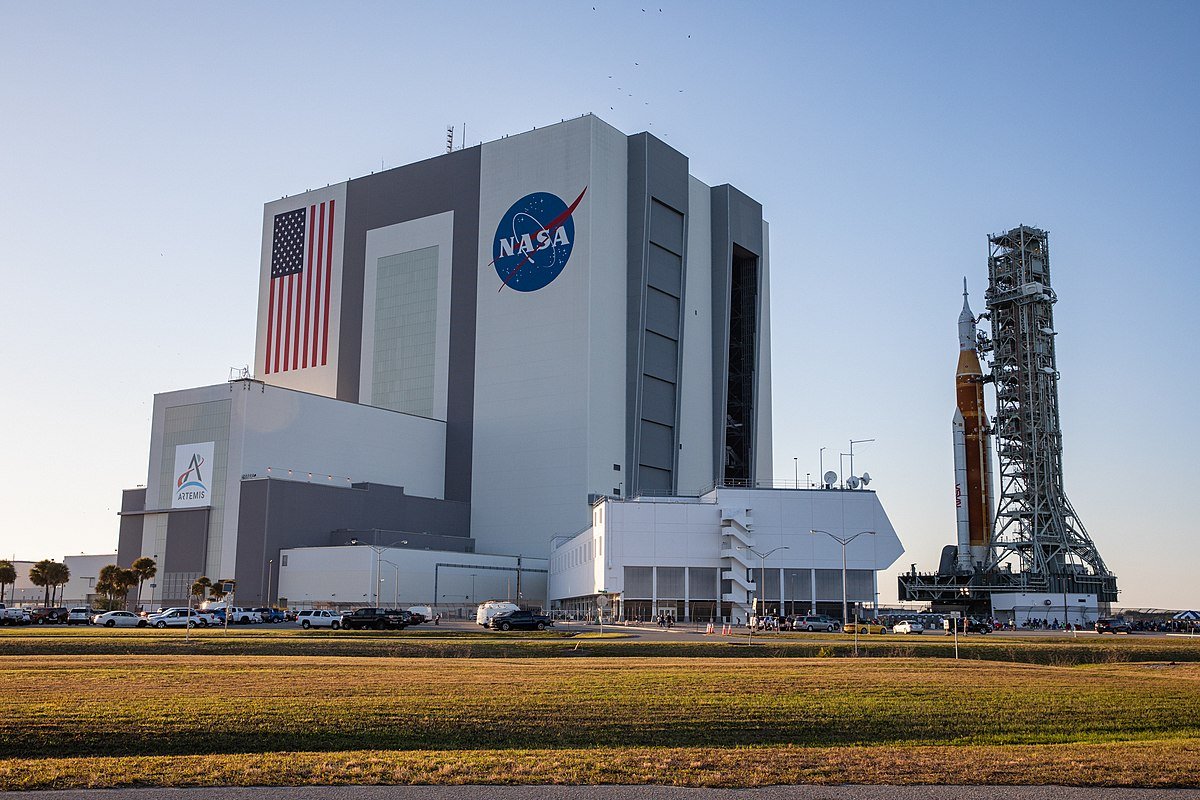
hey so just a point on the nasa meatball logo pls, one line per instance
(534, 240)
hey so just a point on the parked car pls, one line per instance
(818, 622)
(865, 628)
(180, 617)
(82, 615)
(967, 625)
(273, 615)
(319, 618)
(1112, 626)
(120, 619)
(520, 620)
(48, 616)
(13, 616)
(908, 626)
(377, 618)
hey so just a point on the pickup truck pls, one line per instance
(377, 618)
(13, 616)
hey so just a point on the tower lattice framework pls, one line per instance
(1035, 522)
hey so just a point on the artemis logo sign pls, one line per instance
(534, 241)
(193, 475)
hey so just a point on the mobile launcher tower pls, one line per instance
(1034, 528)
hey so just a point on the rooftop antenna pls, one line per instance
(464, 138)
(449, 138)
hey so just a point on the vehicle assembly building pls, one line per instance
(460, 356)
(1034, 558)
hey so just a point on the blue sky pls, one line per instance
(138, 142)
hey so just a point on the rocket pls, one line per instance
(972, 449)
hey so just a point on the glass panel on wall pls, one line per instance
(797, 584)
(702, 583)
(829, 584)
(859, 585)
(670, 582)
(637, 583)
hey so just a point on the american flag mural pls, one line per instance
(298, 299)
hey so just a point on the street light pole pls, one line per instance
(852, 443)
(376, 579)
(796, 483)
(762, 576)
(843, 541)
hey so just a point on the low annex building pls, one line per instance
(693, 557)
(401, 576)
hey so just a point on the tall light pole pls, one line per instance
(796, 483)
(762, 576)
(843, 540)
(375, 578)
(822, 472)
(852, 443)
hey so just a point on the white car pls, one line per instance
(908, 626)
(319, 618)
(179, 618)
(79, 616)
(119, 619)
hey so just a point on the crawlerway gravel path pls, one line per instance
(617, 793)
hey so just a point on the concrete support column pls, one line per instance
(654, 591)
(782, 594)
(812, 577)
(687, 594)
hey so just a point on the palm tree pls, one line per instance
(39, 576)
(216, 590)
(8, 574)
(204, 585)
(199, 588)
(57, 574)
(114, 583)
(145, 569)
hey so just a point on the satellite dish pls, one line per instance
(852, 482)
(830, 478)
(866, 478)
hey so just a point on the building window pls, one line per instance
(283, 560)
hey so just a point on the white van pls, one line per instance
(491, 608)
(424, 611)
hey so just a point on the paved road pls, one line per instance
(618, 793)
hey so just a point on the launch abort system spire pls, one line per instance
(1036, 530)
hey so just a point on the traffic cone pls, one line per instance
(708, 631)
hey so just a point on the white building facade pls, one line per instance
(698, 558)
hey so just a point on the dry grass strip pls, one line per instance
(1126, 764)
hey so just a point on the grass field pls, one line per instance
(445, 642)
(101, 720)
